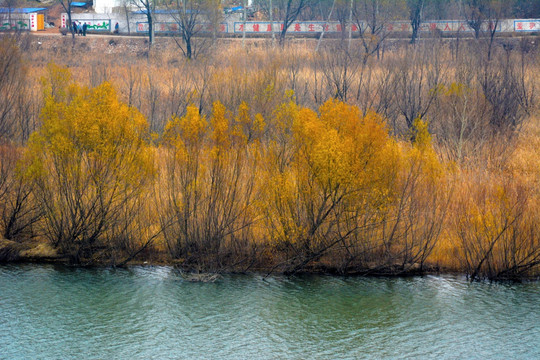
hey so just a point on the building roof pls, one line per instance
(21, 10)
(167, 11)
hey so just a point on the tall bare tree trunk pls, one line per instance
(244, 24)
(324, 27)
(126, 9)
(350, 25)
(272, 23)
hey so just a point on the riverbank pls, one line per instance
(41, 253)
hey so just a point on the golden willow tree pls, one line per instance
(89, 162)
(209, 184)
(341, 192)
(325, 172)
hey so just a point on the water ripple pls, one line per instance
(151, 313)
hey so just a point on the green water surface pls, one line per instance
(49, 312)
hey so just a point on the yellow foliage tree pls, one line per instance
(412, 224)
(88, 161)
(209, 183)
(341, 170)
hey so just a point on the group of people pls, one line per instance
(80, 29)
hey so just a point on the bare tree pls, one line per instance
(342, 15)
(339, 67)
(147, 7)
(189, 15)
(483, 16)
(214, 15)
(324, 29)
(376, 14)
(186, 15)
(271, 15)
(290, 10)
(66, 4)
(269, 9)
(416, 76)
(475, 12)
(126, 9)
(415, 16)
(13, 81)
(504, 87)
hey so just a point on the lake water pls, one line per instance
(51, 312)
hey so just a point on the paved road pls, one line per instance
(56, 32)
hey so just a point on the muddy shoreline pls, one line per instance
(42, 253)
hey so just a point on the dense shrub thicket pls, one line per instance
(423, 157)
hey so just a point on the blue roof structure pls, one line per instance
(78, 4)
(166, 11)
(21, 10)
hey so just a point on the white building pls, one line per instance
(107, 6)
